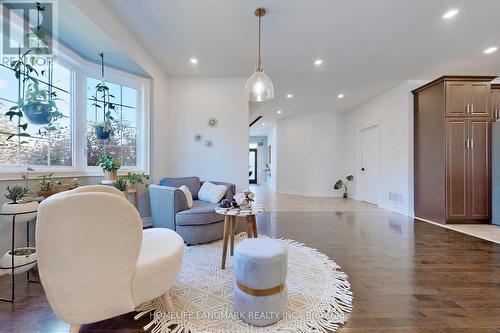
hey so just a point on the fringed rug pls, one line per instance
(319, 296)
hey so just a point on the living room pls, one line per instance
(249, 166)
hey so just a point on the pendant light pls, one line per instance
(259, 86)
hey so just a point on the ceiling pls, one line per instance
(366, 46)
(81, 35)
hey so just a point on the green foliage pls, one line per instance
(33, 99)
(136, 178)
(108, 163)
(121, 184)
(343, 184)
(16, 193)
(101, 100)
(45, 182)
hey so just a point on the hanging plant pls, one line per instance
(105, 128)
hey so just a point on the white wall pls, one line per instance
(308, 152)
(192, 102)
(393, 110)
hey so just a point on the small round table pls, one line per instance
(230, 215)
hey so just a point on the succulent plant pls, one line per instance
(121, 184)
(16, 193)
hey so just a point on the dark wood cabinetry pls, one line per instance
(495, 102)
(452, 164)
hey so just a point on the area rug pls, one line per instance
(319, 296)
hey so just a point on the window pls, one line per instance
(122, 144)
(44, 147)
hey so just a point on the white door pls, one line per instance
(369, 164)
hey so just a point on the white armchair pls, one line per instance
(94, 259)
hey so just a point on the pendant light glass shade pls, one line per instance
(259, 87)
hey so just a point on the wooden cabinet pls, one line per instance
(479, 168)
(467, 99)
(495, 102)
(452, 146)
(456, 169)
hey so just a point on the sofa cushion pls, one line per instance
(202, 213)
(192, 183)
(212, 193)
(187, 193)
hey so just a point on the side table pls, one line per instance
(230, 216)
(3, 217)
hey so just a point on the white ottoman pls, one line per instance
(260, 293)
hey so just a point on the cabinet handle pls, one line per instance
(472, 108)
(467, 109)
(471, 144)
(467, 143)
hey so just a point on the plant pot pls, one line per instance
(25, 261)
(345, 196)
(102, 134)
(110, 175)
(38, 113)
(45, 194)
(12, 208)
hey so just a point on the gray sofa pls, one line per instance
(197, 225)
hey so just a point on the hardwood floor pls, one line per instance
(407, 276)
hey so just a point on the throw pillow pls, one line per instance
(212, 193)
(187, 193)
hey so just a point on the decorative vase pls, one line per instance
(37, 112)
(102, 134)
(22, 263)
(12, 208)
(108, 175)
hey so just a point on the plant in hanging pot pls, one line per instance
(109, 165)
(39, 106)
(24, 260)
(122, 185)
(46, 185)
(19, 203)
(104, 130)
(343, 184)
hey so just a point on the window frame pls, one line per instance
(81, 69)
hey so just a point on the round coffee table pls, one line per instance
(230, 215)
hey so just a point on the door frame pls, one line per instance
(256, 167)
(359, 185)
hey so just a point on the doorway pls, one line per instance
(369, 163)
(252, 166)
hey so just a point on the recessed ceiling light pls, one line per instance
(449, 14)
(318, 62)
(263, 124)
(194, 61)
(289, 96)
(340, 96)
(279, 112)
(490, 50)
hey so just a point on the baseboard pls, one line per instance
(147, 222)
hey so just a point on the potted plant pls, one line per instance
(109, 165)
(24, 260)
(104, 130)
(343, 184)
(19, 203)
(102, 100)
(46, 185)
(122, 185)
(136, 178)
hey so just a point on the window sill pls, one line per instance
(16, 173)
